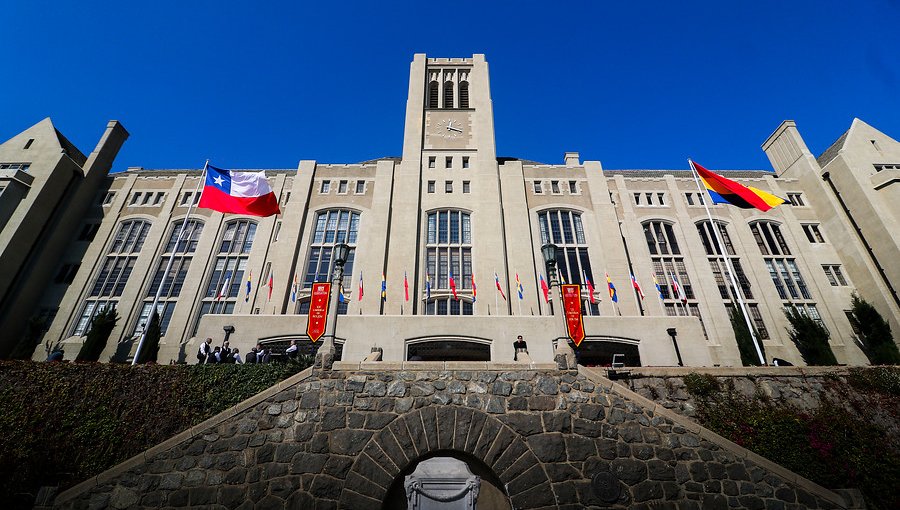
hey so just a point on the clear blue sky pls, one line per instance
(255, 85)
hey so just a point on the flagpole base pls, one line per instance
(564, 356)
(325, 354)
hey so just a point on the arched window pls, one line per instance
(669, 269)
(448, 94)
(183, 254)
(782, 268)
(564, 229)
(229, 269)
(463, 94)
(448, 248)
(720, 271)
(333, 226)
(114, 273)
(433, 95)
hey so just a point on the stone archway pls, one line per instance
(449, 430)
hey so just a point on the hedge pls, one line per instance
(62, 423)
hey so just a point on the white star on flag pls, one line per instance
(218, 180)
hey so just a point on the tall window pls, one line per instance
(668, 266)
(183, 254)
(565, 230)
(114, 273)
(720, 271)
(463, 94)
(229, 269)
(783, 269)
(448, 247)
(448, 94)
(333, 226)
(433, 94)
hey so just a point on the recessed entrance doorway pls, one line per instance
(445, 349)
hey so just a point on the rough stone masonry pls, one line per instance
(553, 439)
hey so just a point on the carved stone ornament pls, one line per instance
(442, 483)
(606, 487)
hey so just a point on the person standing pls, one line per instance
(236, 356)
(204, 351)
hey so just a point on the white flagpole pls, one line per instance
(737, 290)
(169, 265)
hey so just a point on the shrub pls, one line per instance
(702, 386)
(744, 339)
(874, 332)
(811, 338)
(151, 341)
(101, 326)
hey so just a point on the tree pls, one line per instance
(150, 349)
(101, 326)
(744, 338)
(874, 332)
(811, 338)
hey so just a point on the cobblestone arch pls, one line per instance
(447, 430)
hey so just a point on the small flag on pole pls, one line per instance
(474, 289)
(497, 282)
(341, 298)
(427, 287)
(383, 288)
(658, 288)
(294, 289)
(545, 289)
(679, 292)
(405, 286)
(271, 284)
(590, 287)
(519, 288)
(227, 283)
(360, 292)
(612, 290)
(247, 295)
(637, 287)
(453, 286)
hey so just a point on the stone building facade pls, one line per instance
(450, 204)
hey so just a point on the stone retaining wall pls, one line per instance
(553, 439)
(802, 387)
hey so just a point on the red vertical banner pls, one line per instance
(318, 310)
(572, 305)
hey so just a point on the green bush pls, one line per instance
(101, 326)
(875, 333)
(62, 423)
(702, 386)
(151, 341)
(744, 339)
(811, 338)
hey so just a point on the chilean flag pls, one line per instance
(238, 192)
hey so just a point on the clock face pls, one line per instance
(448, 128)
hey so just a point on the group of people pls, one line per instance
(207, 354)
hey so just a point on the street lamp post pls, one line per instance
(563, 355)
(325, 354)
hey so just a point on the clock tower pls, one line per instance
(448, 170)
